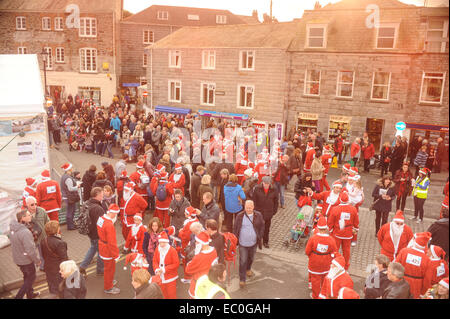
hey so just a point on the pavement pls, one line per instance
(278, 266)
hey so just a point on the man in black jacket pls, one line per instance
(210, 209)
(377, 282)
(265, 198)
(399, 287)
(439, 232)
(217, 239)
(249, 230)
(95, 211)
(88, 180)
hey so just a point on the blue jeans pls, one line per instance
(280, 189)
(29, 276)
(100, 149)
(246, 256)
(90, 254)
(70, 213)
(109, 149)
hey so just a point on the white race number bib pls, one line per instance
(322, 248)
(51, 189)
(413, 260)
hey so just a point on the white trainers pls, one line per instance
(114, 282)
(113, 291)
(413, 218)
(353, 243)
(419, 221)
(309, 285)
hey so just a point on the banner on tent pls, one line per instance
(27, 124)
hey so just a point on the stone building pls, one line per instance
(79, 60)
(156, 22)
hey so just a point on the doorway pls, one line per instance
(374, 128)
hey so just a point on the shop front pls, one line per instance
(235, 119)
(307, 121)
(339, 125)
(374, 128)
(427, 131)
(180, 112)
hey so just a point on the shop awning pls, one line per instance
(131, 84)
(224, 115)
(171, 109)
(427, 127)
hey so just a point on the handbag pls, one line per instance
(373, 204)
(73, 197)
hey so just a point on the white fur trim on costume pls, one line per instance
(443, 283)
(334, 262)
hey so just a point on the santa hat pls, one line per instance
(178, 166)
(344, 198)
(30, 181)
(422, 239)
(347, 293)
(124, 174)
(66, 166)
(163, 175)
(160, 168)
(445, 202)
(399, 217)
(444, 282)
(322, 223)
(327, 148)
(45, 173)
(113, 208)
(437, 252)
(319, 206)
(129, 259)
(138, 215)
(339, 262)
(346, 167)
(163, 237)
(424, 171)
(170, 230)
(337, 184)
(251, 165)
(353, 170)
(140, 164)
(354, 177)
(203, 238)
(191, 211)
(129, 186)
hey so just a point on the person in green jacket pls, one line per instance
(420, 193)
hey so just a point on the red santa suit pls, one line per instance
(141, 179)
(389, 231)
(319, 250)
(416, 263)
(326, 162)
(201, 263)
(166, 260)
(132, 204)
(107, 246)
(329, 199)
(310, 154)
(137, 261)
(334, 282)
(178, 178)
(162, 207)
(240, 167)
(48, 196)
(262, 169)
(343, 221)
(438, 267)
(135, 237)
(30, 190)
(185, 233)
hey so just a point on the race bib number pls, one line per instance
(413, 260)
(145, 179)
(440, 270)
(100, 222)
(322, 248)
(345, 216)
(51, 189)
(329, 161)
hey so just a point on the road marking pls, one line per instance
(261, 279)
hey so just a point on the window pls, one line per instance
(144, 60)
(60, 55)
(148, 37)
(88, 27)
(163, 15)
(174, 91)
(312, 82)
(46, 25)
(437, 36)
(48, 58)
(246, 96)
(432, 88)
(21, 50)
(221, 19)
(174, 59)
(208, 92)
(387, 36)
(247, 61)
(58, 24)
(193, 17)
(88, 60)
(381, 82)
(316, 36)
(209, 59)
(20, 23)
(345, 84)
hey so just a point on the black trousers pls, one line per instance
(380, 219)
(384, 168)
(267, 222)
(366, 165)
(29, 276)
(228, 220)
(401, 199)
(418, 207)
(53, 281)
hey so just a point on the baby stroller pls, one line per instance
(300, 231)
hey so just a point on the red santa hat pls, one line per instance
(163, 175)
(422, 239)
(251, 165)
(322, 223)
(424, 171)
(171, 230)
(203, 238)
(140, 164)
(178, 166)
(45, 173)
(30, 181)
(346, 167)
(337, 184)
(327, 148)
(160, 168)
(163, 237)
(437, 252)
(339, 262)
(129, 186)
(399, 217)
(124, 174)
(129, 259)
(344, 198)
(113, 208)
(445, 202)
(353, 171)
(347, 293)
(444, 282)
(354, 177)
(138, 215)
(67, 166)
(319, 206)
(191, 211)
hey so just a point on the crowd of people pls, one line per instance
(207, 213)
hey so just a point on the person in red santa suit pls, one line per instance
(343, 222)
(329, 198)
(202, 262)
(137, 261)
(48, 196)
(346, 168)
(136, 236)
(443, 206)
(347, 293)
(121, 181)
(336, 279)
(132, 204)
(107, 247)
(309, 157)
(240, 167)
(438, 267)
(326, 162)
(416, 262)
(185, 233)
(178, 178)
(30, 190)
(262, 167)
(356, 196)
(166, 263)
(319, 250)
(394, 236)
(141, 180)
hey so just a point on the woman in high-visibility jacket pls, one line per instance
(209, 286)
(420, 192)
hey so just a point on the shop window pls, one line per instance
(432, 88)
(312, 82)
(92, 93)
(345, 83)
(174, 91)
(380, 86)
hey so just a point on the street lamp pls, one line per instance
(44, 58)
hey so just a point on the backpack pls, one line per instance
(83, 221)
(161, 193)
(230, 246)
